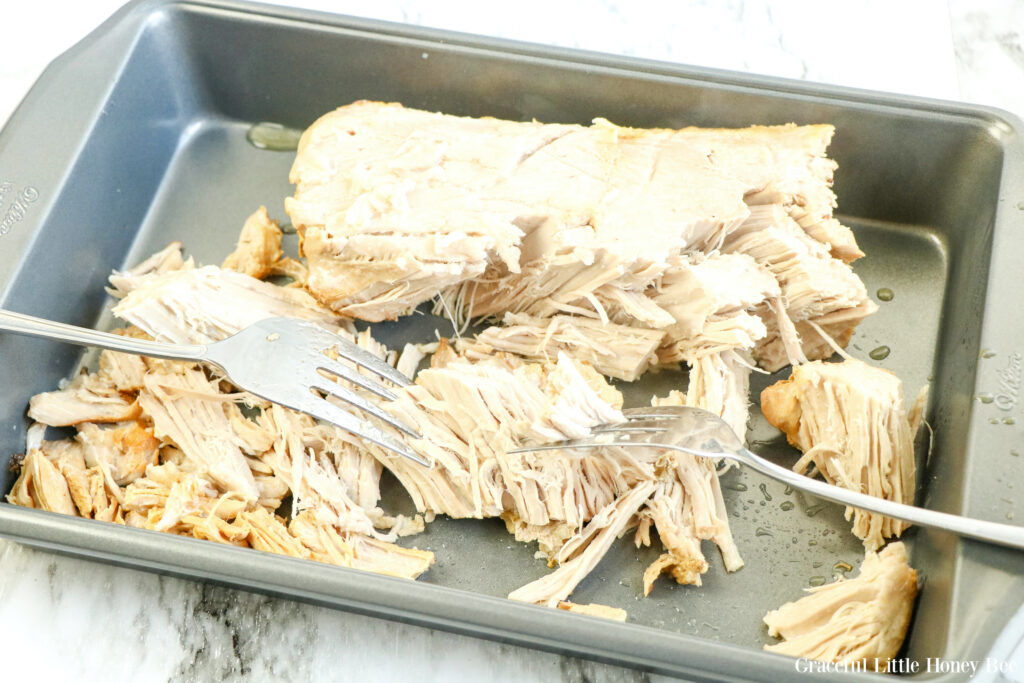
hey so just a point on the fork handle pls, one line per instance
(993, 532)
(19, 323)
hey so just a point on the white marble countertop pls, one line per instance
(62, 618)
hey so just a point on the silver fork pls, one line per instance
(706, 435)
(279, 359)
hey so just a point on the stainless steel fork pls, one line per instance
(279, 359)
(706, 435)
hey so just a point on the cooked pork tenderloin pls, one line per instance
(860, 620)
(395, 205)
(850, 421)
(470, 412)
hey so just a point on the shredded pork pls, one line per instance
(597, 251)
(850, 421)
(859, 620)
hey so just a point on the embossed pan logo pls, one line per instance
(1009, 383)
(19, 202)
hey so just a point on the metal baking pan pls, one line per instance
(137, 136)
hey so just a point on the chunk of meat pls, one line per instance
(619, 351)
(259, 246)
(595, 610)
(41, 486)
(87, 398)
(860, 620)
(815, 286)
(851, 423)
(122, 451)
(395, 205)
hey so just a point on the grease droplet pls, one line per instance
(816, 564)
(812, 542)
(842, 567)
(1009, 421)
(786, 506)
(738, 486)
(764, 491)
(1009, 515)
(885, 294)
(761, 531)
(288, 229)
(1015, 454)
(815, 509)
(816, 581)
(985, 398)
(985, 353)
(1020, 205)
(993, 421)
(788, 490)
(879, 353)
(273, 137)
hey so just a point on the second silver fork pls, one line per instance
(705, 435)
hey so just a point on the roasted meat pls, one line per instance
(863, 619)
(396, 205)
(850, 421)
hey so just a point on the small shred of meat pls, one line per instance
(618, 351)
(326, 473)
(189, 411)
(860, 620)
(850, 421)
(687, 507)
(41, 486)
(259, 247)
(325, 544)
(594, 541)
(87, 398)
(124, 370)
(595, 610)
(719, 383)
(174, 499)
